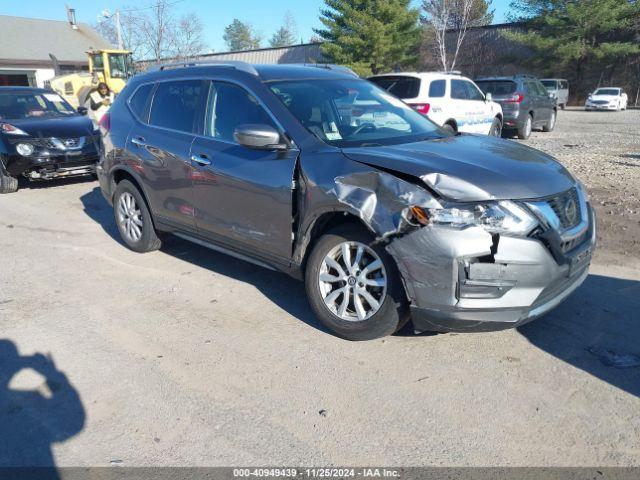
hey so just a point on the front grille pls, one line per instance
(600, 102)
(567, 208)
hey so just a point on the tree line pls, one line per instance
(374, 36)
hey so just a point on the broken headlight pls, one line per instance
(495, 217)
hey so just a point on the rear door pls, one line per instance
(161, 145)
(243, 197)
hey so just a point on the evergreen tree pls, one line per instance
(286, 34)
(240, 36)
(579, 33)
(370, 35)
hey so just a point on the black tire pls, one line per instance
(447, 127)
(524, 132)
(8, 184)
(393, 312)
(563, 106)
(551, 124)
(148, 240)
(496, 128)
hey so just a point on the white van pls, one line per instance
(449, 99)
(559, 88)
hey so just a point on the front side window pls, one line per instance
(230, 106)
(33, 105)
(175, 105)
(353, 113)
(437, 88)
(458, 90)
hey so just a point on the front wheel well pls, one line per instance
(325, 223)
(453, 124)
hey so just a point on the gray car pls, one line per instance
(526, 103)
(319, 174)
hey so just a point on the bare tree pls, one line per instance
(187, 38)
(129, 22)
(446, 23)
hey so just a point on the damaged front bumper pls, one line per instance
(471, 280)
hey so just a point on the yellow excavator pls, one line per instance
(113, 67)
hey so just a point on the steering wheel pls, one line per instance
(363, 127)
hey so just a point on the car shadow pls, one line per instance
(24, 183)
(33, 414)
(596, 330)
(286, 292)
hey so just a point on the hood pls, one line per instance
(472, 168)
(604, 97)
(72, 126)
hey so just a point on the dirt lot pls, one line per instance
(188, 357)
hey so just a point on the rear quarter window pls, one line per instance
(138, 101)
(400, 86)
(437, 88)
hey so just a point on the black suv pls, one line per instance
(526, 103)
(320, 174)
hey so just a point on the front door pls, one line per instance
(243, 197)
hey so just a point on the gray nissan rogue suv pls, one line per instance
(312, 171)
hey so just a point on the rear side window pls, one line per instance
(138, 102)
(497, 87)
(459, 90)
(229, 107)
(437, 88)
(400, 86)
(175, 105)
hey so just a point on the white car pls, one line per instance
(448, 99)
(606, 98)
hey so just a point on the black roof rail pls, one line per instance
(240, 66)
(331, 66)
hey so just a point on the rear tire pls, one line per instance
(551, 124)
(524, 132)
(133, 219)
(447, 127)
(348, 313)
(563, 106)
(8, 184)
(496, 128)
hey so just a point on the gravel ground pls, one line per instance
(188, 357)
(603, 150)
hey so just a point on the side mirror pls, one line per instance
(83, 110)
(488, 97)
(259, 137)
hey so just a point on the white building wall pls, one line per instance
(44, 74)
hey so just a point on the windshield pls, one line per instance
(17, 105)
(549, 84)
(497, 87)
(120, 65)
(353, 113)
(607, 91)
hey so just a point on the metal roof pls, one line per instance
(31, 40)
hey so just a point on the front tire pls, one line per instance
(134, 219)
(8, 184)
(353, 286)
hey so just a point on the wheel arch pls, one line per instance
(322, 223)
(452, 122)
(122, 173)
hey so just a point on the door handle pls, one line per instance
(138, 142)
(202, 160)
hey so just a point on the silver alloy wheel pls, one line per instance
(352, 281)
(129, 217)
(528, 126)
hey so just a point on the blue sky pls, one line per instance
(265, 15)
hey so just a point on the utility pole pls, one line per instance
(119, 30)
